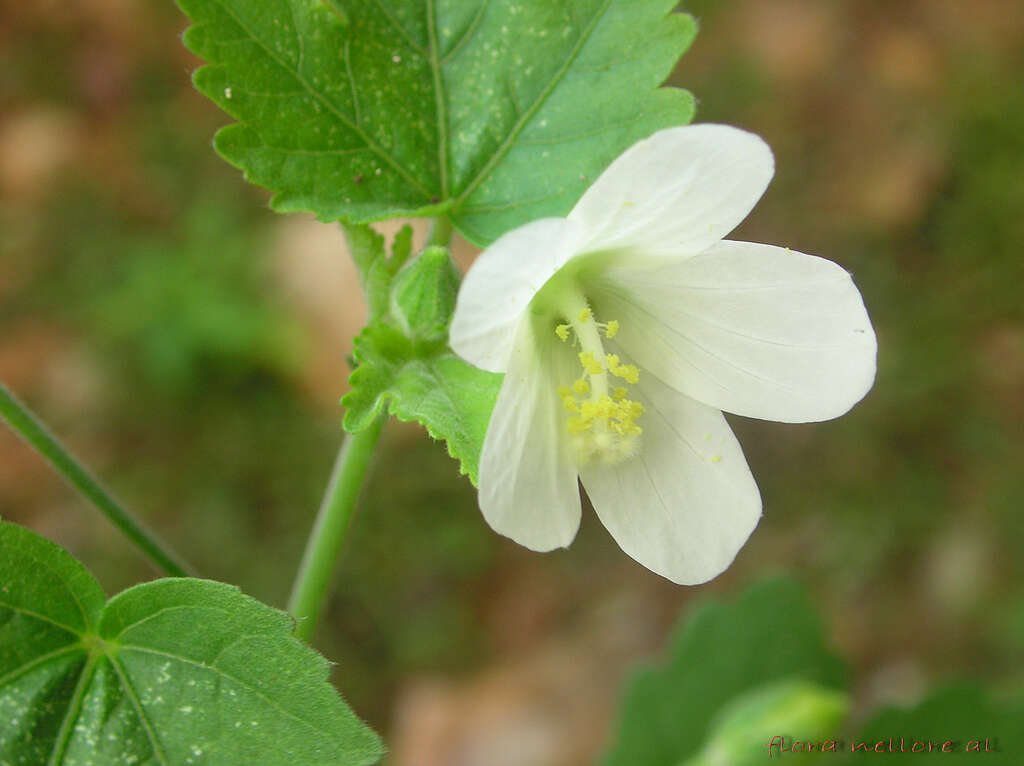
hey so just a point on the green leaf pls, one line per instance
(493, 113)
(960, 714)
(375, 269)
(174, 671)
(404, 363)
(425, 382)
(771, 633)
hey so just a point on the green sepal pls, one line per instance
(423, 296)
(425, 382)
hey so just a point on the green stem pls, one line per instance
(332, 521)
(33, 431)
(441, 233)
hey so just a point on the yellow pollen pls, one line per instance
(627, 372)
(590, 364)
(601, 421)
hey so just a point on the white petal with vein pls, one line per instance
(686, 504)
(676, 192)
(500, 286)
(528, 487)
(752, 329)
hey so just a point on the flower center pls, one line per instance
(602, 418)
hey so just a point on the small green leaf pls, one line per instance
(491, 112)
(373, 266)
(961, 715)
(771, 633)
(404, 363)
(173, 671)
(425, 382)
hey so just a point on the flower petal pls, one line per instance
(500, 286)
(686, 504)
(757, 330)
(528, 487)
(676, 192)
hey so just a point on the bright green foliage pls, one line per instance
(404, 360)
(961, 715)
(792, 709)
(375, 269)
(174, 671)
(423, 297)
(494, 113)
(771, 633)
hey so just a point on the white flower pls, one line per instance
(627, 328)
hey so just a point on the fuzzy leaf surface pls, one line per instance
(173, 671)
(422, 381)
(494, 113)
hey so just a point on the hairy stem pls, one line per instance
(441, 233)
(25, 423)
(313, 580)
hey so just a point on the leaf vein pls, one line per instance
(229, 677)
(467, 35)
(36, 662)
(137, 704)
(400, 29)
(520, 124)
(329, 105)
(440, 102)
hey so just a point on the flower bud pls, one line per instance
(793, 719)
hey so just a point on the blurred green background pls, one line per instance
(191, 346)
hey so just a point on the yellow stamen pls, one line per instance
(627, 372)
(590, 364)
(602, 425)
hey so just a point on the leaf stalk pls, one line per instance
(30, 428)
(332, 522)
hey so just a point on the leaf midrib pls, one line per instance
(529, 113)
(63, 737)
(437, 64)
(440, 102)
(139, 709)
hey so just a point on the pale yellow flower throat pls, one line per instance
(601, 423)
